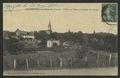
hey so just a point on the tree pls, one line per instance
(12, 45)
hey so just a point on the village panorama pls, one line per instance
(46, 49)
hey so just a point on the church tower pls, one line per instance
(49, 26)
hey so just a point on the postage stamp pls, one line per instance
(109, 12)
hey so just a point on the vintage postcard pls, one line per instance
(43, 39)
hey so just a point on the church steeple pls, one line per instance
(49, 26)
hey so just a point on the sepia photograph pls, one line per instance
(53, 39)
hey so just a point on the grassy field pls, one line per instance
(110, 71)
(45, 56)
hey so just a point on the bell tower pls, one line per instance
(49, 26)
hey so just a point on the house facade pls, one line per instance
(25, 35)
(53, 43)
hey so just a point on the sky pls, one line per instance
(85, 17)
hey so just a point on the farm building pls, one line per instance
(53, 43)
(25, 35)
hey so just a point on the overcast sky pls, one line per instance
(85, 17)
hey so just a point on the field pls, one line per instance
(58, 60)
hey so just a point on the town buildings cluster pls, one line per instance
(71, 40)
(30, 37)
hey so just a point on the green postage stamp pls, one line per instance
(109, 12)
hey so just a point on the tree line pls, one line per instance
(97, 41)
